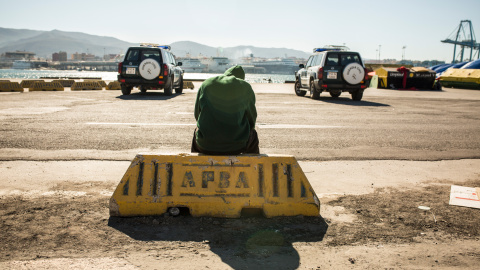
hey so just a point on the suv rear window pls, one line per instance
(132, 55)
(334, 59)
(136, 55)
(150, 54)
(349, 58)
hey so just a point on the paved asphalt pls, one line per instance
(386, 124)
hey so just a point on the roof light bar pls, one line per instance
(332, 48)
(166, 47)
(148, 45)
(154, 45)
(325, 49)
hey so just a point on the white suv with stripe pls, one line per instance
(333, 70)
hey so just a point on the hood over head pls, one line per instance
(236, 71)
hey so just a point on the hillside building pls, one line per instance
(59, 57)
(83, 57)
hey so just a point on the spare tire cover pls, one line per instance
(353, 73)
(149, 69)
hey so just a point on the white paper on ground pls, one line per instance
(465, 196)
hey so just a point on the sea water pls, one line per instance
(112, 76)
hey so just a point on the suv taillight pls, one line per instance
(320, 74)
(165, 70)
(120, 66)
(366, 74)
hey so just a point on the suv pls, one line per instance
(150, 66)
(333, 70)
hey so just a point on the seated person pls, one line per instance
(226, 115)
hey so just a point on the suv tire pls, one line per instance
(357, 95)
(353, 73)
(149, 69)
(143, 89)
(126, 90)
(314, 92)
(179, 89)
(299, 91)
(335, 94)
(168, 88)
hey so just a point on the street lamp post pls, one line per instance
(379, 50)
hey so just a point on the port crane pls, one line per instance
(463, 36)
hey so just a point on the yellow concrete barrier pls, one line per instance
(461, 75)
(89, 85)
(216, 186)
(115, 85)
(65, 83)
(46, 86)
(102, 83)
(28, 83)
(188, 84)
(10, 87)
(461, 78)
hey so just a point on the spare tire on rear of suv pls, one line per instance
(353, 73)
(149, 69)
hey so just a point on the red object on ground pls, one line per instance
(403, 70)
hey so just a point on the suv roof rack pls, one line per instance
(154, 45)
(331, 48)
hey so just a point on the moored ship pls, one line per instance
(22, 64)
(277, 66)
(192, 65)
(217, 64)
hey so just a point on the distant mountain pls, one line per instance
(182, 48)
(10, 35)
(45, 43)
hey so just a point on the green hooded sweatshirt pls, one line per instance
(225, 112)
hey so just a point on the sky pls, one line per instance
(376, 29)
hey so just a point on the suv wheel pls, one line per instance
(335, 94)
(149, 69)
(179, 89)
(168, 88)
(299, 91)
(143, 89)
(314, 92)
(353, 73)
(126, 90)
(357, 95)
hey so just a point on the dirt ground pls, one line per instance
(56, 224)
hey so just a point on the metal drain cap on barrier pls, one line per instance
(216, 186)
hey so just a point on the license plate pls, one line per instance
(332, 75)
(130, 70)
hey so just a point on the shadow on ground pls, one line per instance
(350, 102)
(147, 96)
(245, 243)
